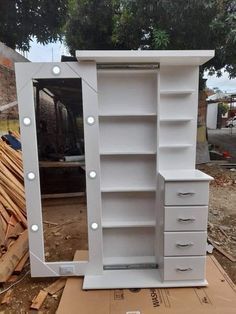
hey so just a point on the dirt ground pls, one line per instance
(66, 232)
(222, 214)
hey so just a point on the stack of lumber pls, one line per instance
(13, 223)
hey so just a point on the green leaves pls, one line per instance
(20, 20)
(160, 39)
(126, 24)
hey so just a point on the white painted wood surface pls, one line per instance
(185, 243)
(186, 193)
(147, 126)
(186, 218)
(184, 268)
(170, 57)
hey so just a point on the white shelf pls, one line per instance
(165, 57)
(185, 175)
(129, 260)
(127, 114)
(177, 92)
(128, 189)
(129, 71)
(175, 146)
(175, 120)
(128, 153)
(145, 278)
(127, 224)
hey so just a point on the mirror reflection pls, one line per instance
(60, 138)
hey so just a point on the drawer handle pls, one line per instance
(186, 219)
(184, 269)
(184, 244)
(186, 194)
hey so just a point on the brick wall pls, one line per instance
(7, 85)
(8, 118)
(8, 57)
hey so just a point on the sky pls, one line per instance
(53, 52)
(48, 53)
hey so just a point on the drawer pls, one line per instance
(185, 243)
(186, 193)
(186, 218)
(184, 268)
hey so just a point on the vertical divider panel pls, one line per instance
(25, 97)
(93, 173)
(159, 254)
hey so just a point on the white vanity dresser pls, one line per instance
(147, 204)
(153, 201)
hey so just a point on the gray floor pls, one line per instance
(224, 138)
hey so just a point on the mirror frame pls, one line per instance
(87, 72)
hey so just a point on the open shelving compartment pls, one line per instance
(147, 122)
(142, 138)
(127, 125)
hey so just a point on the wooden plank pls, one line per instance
(62, 195)
(11, 178)
(14, 167)
(10, 227)
(13, 233)
(8, 106)
(60, 164)
(4, 224)
(12, 257)
(7, 297)
(4, 212)
(2, 232)
(222, 251)
(56, 286)
(38, 300)
(7, 202)
(13, 278)
(13, 188)
(21, 263)
(16, 156)
(50, 223)
(16, 198)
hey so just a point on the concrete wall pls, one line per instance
(212, 110)
(202, 155)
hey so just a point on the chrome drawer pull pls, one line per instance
(186, 193)
(184, 244)
(186, 219)
(184, 269)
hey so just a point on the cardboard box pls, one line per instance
(218, 298)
